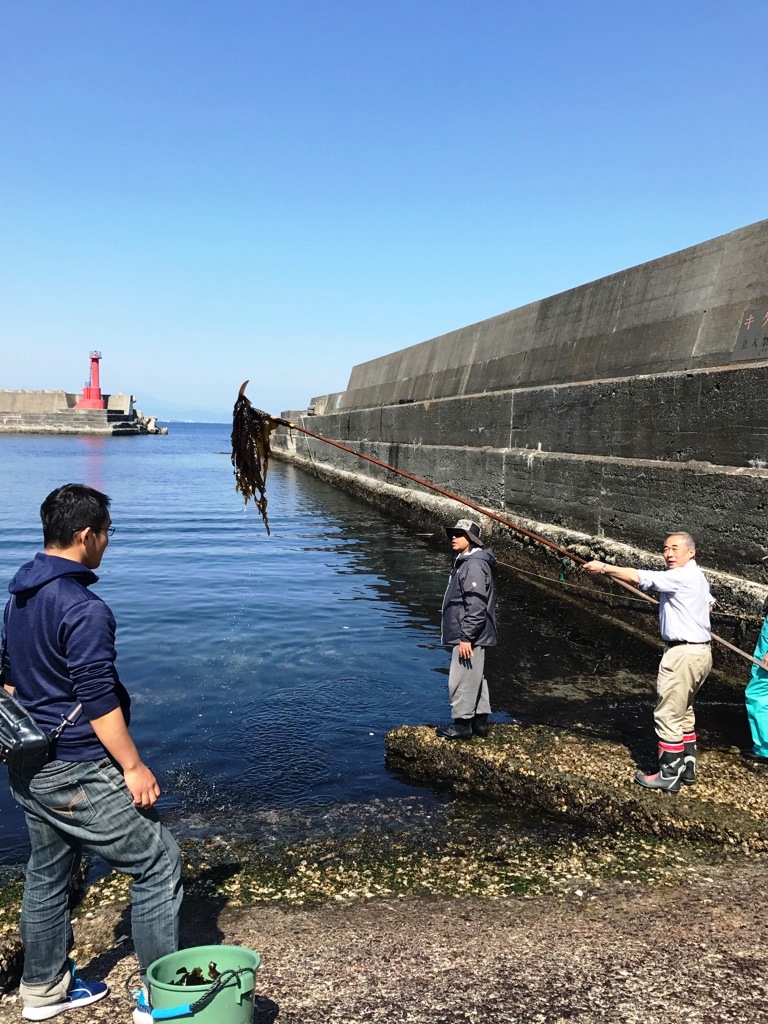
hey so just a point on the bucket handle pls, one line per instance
(183, 1010)
(189, 1009)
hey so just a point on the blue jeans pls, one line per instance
(74, 806)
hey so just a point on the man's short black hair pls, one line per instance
(71, 508)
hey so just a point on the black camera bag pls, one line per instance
(23, 744)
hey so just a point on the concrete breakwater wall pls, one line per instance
(53, 412)
(686, 311)
(603, 417)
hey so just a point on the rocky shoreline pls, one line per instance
(607, 903)
(633, 954)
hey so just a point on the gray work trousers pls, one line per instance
(467, 686)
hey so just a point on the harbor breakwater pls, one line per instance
(600, 418)
(54, 412)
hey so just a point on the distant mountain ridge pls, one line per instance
(166, 409)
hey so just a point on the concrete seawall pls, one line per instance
(680, 312)
(605, 416)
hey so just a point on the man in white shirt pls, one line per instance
(684, 604)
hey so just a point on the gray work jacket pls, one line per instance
(469, 605)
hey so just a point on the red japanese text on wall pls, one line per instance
(752, 339)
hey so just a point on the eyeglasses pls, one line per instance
(109, 530)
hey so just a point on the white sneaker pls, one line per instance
(142, 1013)
(82, 993)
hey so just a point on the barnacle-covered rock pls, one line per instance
(590, 780)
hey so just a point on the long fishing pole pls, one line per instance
(499, 519)
(487, 512)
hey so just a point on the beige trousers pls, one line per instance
(681, 672)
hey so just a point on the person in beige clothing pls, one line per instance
(684, 604)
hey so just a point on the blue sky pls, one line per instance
(279, 190)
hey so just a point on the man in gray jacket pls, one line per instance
(468, 625)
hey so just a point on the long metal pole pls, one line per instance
(499, 519)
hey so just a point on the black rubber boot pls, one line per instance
(750, 755)
(689, 756)
(480, 725)
(459, 729)
(671, 768)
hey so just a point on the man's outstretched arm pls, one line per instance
(618, 572)
(113, 734)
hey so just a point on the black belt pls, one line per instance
(676, 643)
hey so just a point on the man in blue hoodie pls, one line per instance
(468, 625)
(95, 794)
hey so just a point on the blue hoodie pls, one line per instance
(60, 650)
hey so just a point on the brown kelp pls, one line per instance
(196, 976)
(193, 977)
(250, 451)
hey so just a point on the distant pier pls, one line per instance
(61, 412)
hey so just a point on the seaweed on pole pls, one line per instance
(250, 451)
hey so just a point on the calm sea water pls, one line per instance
(266, 671)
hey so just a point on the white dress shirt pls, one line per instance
(684, 602)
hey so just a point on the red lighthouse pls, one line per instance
(91, 396)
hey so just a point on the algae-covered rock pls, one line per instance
(590, 780)
(11, 962)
